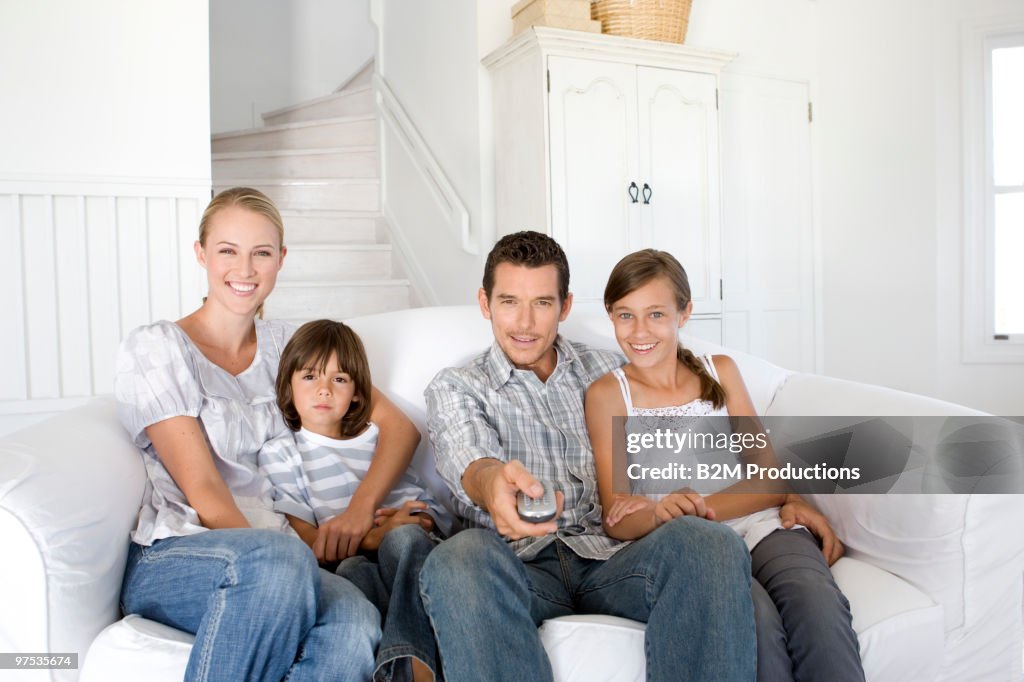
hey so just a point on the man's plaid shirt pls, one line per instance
(491, 409)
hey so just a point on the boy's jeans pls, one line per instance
(392, 584)
(258, 604)
(689, 581)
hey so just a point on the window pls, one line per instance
(1005, 58)
(993, 120)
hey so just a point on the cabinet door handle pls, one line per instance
(634, 192)
(647, 193)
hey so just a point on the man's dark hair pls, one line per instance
(531, 249)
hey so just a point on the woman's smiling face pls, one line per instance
(242, 256)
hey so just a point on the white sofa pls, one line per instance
(935, 582)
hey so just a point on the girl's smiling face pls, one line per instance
(242, 256)
(647, 321)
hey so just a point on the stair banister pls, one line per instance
(426, 164)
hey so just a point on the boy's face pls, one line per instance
(322, 398)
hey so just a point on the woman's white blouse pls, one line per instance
(162, 374)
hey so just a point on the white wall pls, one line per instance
(269, 54)
(774, 39)
(105, 167)
(109, 88)
(429, 57)
(888, 123)
(874, 121)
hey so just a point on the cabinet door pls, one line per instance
(768, 233)
(706, 329)
(678, 142)
(592, 138)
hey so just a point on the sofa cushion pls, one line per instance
(583, 648)
(899, 628)
(133, 644)
(900, 631)
(812, 394)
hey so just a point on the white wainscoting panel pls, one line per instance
(87, 262)
(12, 341)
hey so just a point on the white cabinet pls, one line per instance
(611, 145)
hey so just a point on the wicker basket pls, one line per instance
(648, 19)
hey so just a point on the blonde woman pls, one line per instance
(209, 555)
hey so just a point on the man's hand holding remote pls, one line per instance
(494, 485)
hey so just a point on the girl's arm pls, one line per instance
(340, 537)
(794, 508)
(182, 449)
(603, 402)
(736, 503)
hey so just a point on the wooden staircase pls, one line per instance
(319, 162)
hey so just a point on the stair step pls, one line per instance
(332, 132)
(335, 227)
(332, 162)
(348, 102)
(302, 301)
(352, 194)
(340, 262)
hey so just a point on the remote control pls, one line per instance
(537, 510)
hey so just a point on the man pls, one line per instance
(514, 416)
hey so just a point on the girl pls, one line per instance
(207, 555)
(323, 390)
(803, 621)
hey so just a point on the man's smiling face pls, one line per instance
(524, 310)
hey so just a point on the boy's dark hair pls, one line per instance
(531, 249)
(311, 348)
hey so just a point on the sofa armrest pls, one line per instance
(952, 547)
(22, 588)
(70, 489)
(964, 551)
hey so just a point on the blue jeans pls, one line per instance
(689, 581)
(804, 626)
(392, 584)
(258, 604)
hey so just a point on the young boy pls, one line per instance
(323, 390)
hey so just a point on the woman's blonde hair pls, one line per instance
(249, 199)
(639, 268)
(244, 197)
